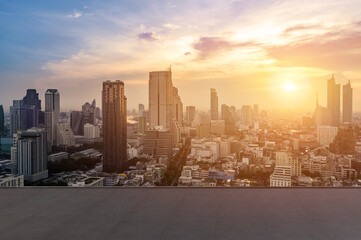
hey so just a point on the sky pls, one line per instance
(277, 54)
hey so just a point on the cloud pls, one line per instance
(171, 26)
(300, 27)
(208, 45)
(75, 15)
(141, 27)
(149, 36)
(187, 53)
(337, 50)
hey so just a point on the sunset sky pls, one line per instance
(274, 53)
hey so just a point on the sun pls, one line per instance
(289, 87)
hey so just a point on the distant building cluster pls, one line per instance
(166, 143)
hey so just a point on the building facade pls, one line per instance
(52, 111)
(65, 135)
(347, 103)
(30, 153)
(160, 99)
(114, 126)
(333, 101)
(214, 104)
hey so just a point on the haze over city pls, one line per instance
(251, 51)
(180, 119)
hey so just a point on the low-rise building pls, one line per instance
(58, 156)
(10, 180)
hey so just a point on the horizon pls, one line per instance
(226, 45)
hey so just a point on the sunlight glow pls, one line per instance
(289, 87)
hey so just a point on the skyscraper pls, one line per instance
(326, 135)
(227, 116)
(32, 98)
(30, 154)
(214, 104)
(160, 99)
(88, 115)
(52, 111)
(76, 122)
(322, 115)
(347, 103)
(158, 143)
(333, 101)
(247, 115)
(32, 103)
(65, 135)
(177, 107)
(2, 127)
(114, 126)
(190, 114)
(345, 140)
(18, 117)
(255, 112)
(140, 110)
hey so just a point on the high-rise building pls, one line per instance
(158, 143)
(32, 98)
(214, 104)
(32, 103)
(203, 131)
(65, 135)
(255, 112)
(333, 101)
(217, 127)
(114, 126)
(140, 110)
(177, 107)
(344, 142)
(141, 125)
(52, 111)
(76, 122)
(322, 115)
(98, 113)
(30, 154)
(227, 116)
(347, 103)
(2, 120)
(18, 117)
(190, 114)
(91, 131)
(88, 113)
(233, 111)
(201, 118)
(160, 99)
(223, 111)
(142, 119)
(247, 115)
(326, 134)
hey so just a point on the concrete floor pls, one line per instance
(179, 213)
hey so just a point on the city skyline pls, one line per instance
(247, 59)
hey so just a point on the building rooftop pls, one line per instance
(180, 213)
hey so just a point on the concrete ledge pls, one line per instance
(180, 213)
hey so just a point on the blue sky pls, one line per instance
(246, 49)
